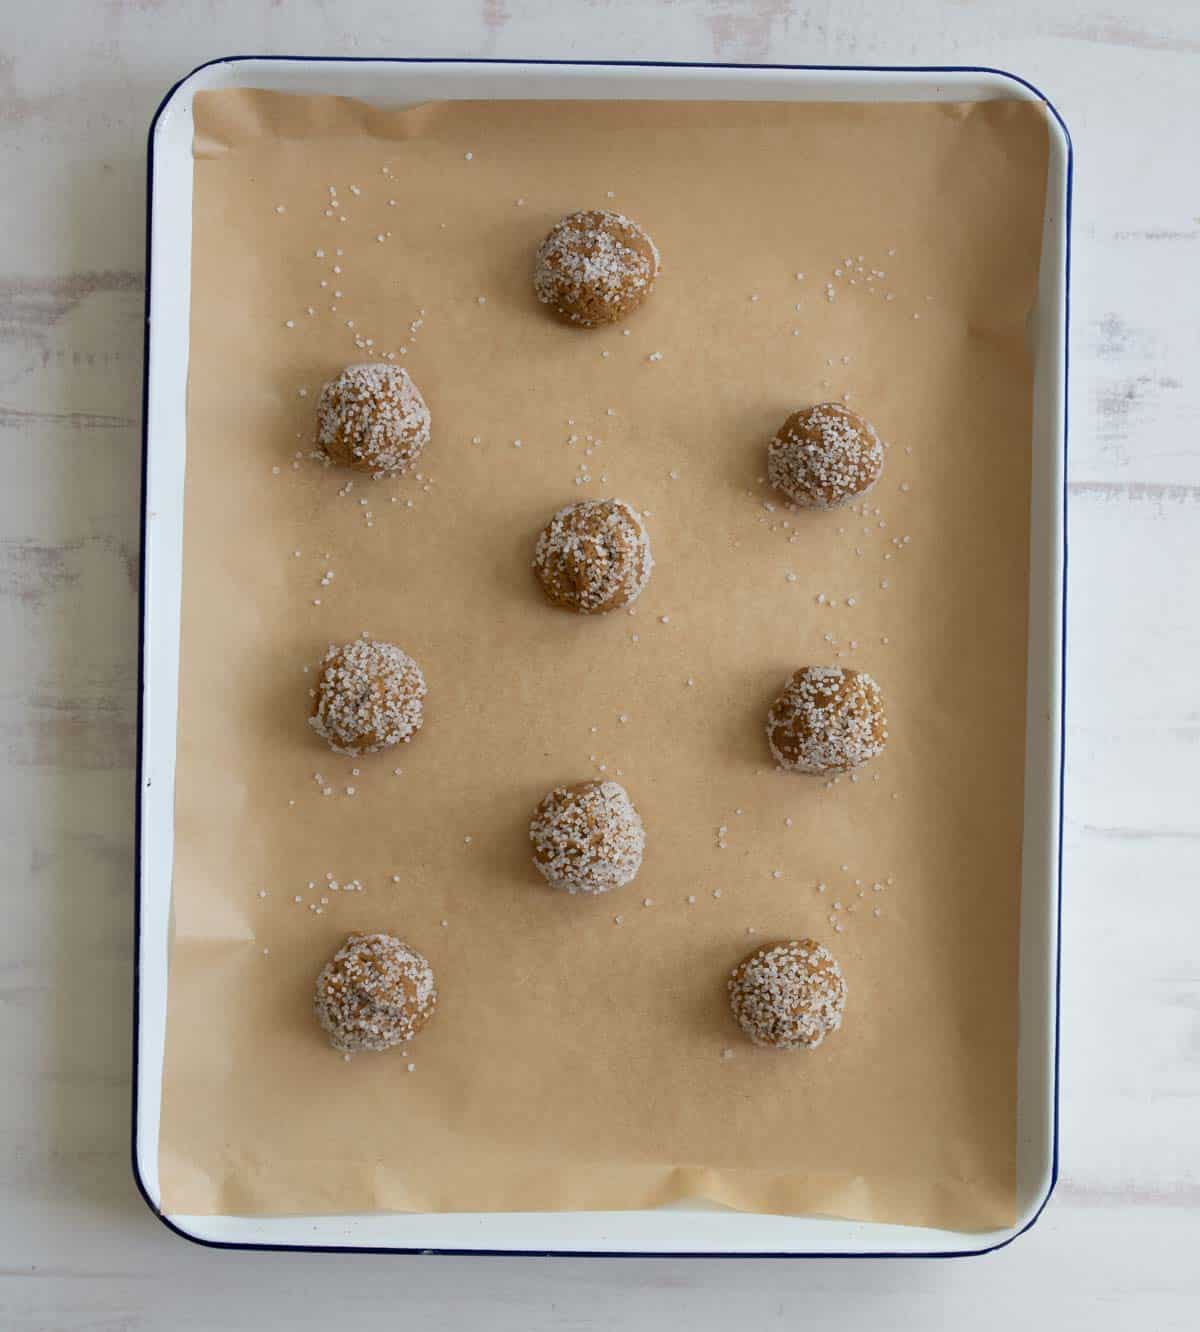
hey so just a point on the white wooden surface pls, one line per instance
(1116, 1248)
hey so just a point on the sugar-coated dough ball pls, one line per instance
(595, 267)
(829, 719)
(373, 418)
(593, 556)
(587, 838)
(375, 992)
(824, 456)
(788, 996)
(368, 696)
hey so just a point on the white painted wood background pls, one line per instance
(1117, 1247)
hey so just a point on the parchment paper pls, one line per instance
(576, 1062)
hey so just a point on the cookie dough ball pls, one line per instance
(788, 996)
(375, 992)
(587, 838)
(368, 697)
(372, 418)
(593, 556)
(829, 719)
(595, 267)
(824, 456)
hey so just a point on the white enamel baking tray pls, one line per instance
(675, 1230)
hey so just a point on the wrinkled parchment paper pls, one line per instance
(576, 1062)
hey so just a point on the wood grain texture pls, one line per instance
(78, 85)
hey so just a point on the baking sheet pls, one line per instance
(576, 1063)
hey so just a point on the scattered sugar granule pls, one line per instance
(647, 901)
(280, 208)
(691, 901)
(467, 157)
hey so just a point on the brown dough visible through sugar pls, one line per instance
(824, 456)
(374, 993)
(587, 838)
(829, 719)
(593, 556)
(368, 697)
(595, 267)
(788, 996)
(373, 418)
